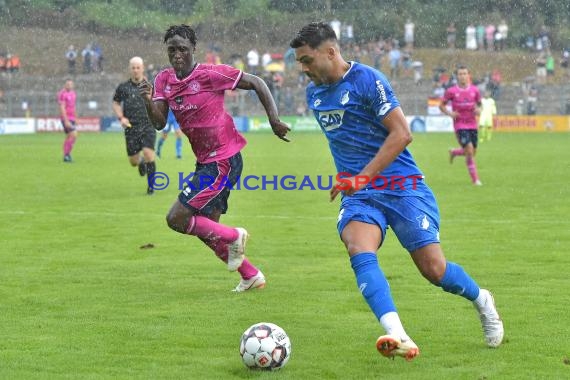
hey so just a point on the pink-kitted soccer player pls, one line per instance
(465, 103)
(195, 94)
(66, 99)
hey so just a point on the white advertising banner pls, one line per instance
(11, 126)
(439, 124)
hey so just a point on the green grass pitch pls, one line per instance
(79, 298)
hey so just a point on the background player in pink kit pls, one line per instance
(465, 102)
(66, 99)
(195, 94)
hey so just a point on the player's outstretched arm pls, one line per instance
(157, 110)
(252, 82)
(399, 136)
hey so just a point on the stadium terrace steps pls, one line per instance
(40, 94)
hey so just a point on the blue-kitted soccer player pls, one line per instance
(171, 124)
(368, 134)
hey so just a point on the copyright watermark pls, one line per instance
(342, 181)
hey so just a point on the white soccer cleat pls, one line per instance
(490, 320)
(256, 282)
(236, 250)
(391, 346)
(478, 183)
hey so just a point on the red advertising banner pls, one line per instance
(82, 124)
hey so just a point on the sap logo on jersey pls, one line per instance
(330, 120)
(381, 92)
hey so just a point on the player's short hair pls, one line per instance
(313, 34)
(181, 30)
(462, 67)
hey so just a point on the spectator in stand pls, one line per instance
(277, 85)
(409, 34)
(531, 100)
(490, 37)
(2, 63)
(237, 61)
(71, 57)
(395, 57)
(87, 55)
(519, 106)
(565, 63)
(12, 63)
(498, 40)
(503, 29)
(289, 59)
(407, 63)
(541, 68)
(418, 68)
(336, 25)
(495, 84)
(544, 37)
(97, 61)
(480, 33)
(253, 61)
(451, 35)
(470, 37)
(549, 66)
(265, 59)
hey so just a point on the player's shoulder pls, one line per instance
(368, 77)
(165, 73)
(124, 84)
(216, 68)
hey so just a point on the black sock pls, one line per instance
(150, 169)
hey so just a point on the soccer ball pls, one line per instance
(265, 346)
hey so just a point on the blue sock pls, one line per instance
(159, 145)
(178, 147)
(455, 280)
(372, 283)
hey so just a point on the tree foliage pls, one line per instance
(370, 18)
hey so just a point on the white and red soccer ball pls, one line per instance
(265, 346)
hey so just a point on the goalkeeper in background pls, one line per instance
(488, 110)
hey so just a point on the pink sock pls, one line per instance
(219, 247)
(206, 228)
(457, 152)
(247, 270)
(68, 144)
(472, 169)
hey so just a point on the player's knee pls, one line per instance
(433, 272)
(354, 247)
(174, 223)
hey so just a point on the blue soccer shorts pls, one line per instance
(413, 218)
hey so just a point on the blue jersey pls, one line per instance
(350, 113)
(171, 122)
(170, 119)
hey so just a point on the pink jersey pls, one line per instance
(463, 101)
(197, 101)
(67, 98)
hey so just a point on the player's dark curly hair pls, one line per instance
(313, 35)
(183, 31)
